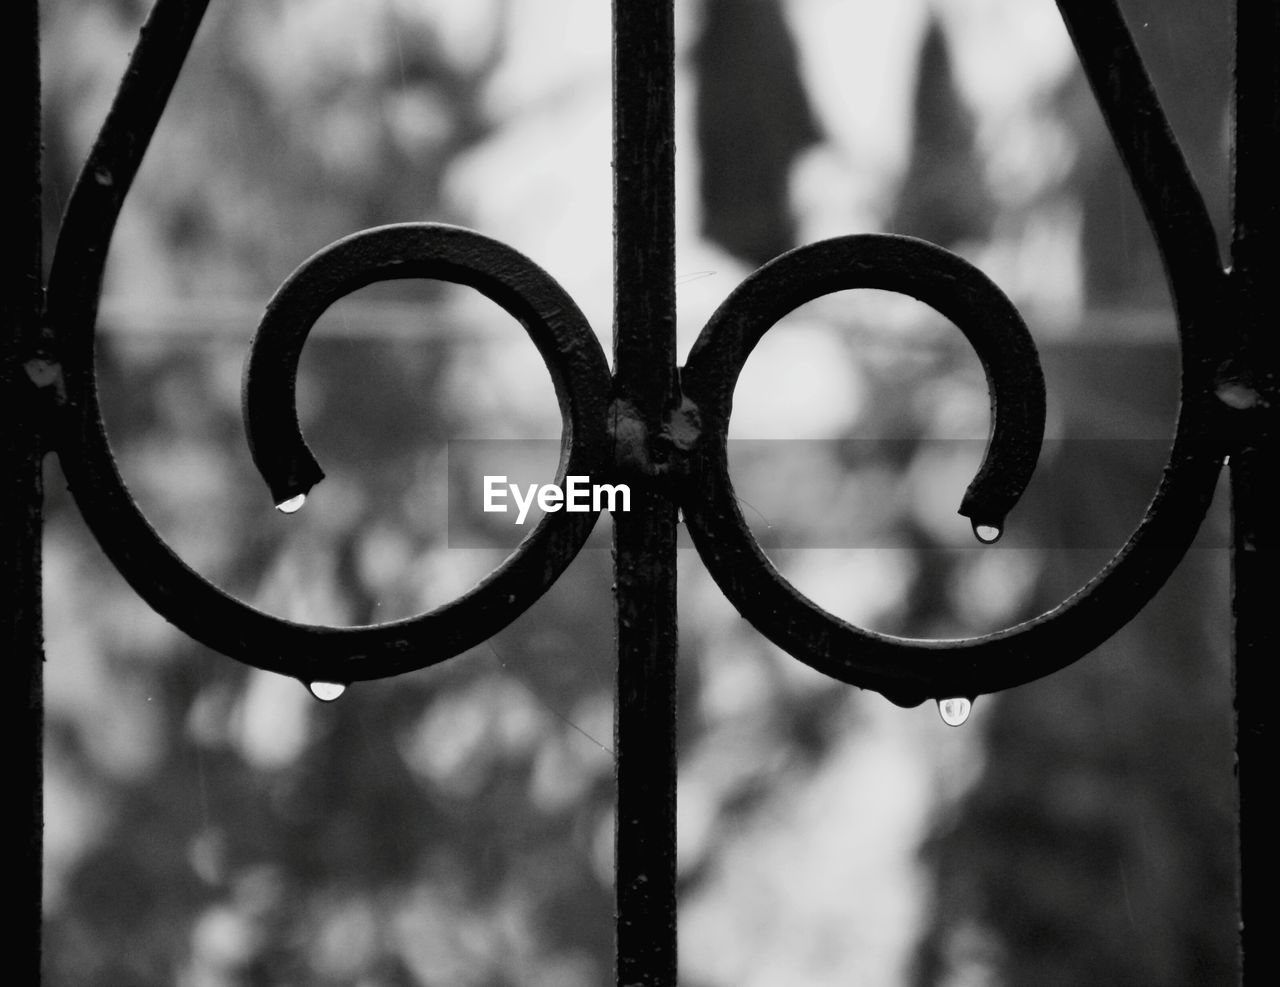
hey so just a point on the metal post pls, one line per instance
(1253, 398)
(645, 392)
(21, 446)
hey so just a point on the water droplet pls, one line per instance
(987, 533)
(954, 711)
(292, 505)
(326, 692)
(102, 175)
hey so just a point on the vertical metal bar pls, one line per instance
(21, 447)
(1255, 456)
(646, 391)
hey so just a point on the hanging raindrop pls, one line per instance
(954, 711)
(292, 505)
(326, 692)
(987, 533)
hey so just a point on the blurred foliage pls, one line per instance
(1098, 846)
(443, 829)
(213, 825)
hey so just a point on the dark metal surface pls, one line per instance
(430, 251)
(645, 392)
(640, 427)
(1250, 388)
(23, 435)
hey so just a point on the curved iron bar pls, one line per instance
(434, 251)
(908, 671)
(311, 653)
(899, 264)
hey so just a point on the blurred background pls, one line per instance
(211, 825)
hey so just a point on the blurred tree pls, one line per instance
(753, 120)
(944, 195)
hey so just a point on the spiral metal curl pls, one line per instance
(309, 652)
(906, 671)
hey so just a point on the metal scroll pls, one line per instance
(598, 436)
(663, 428)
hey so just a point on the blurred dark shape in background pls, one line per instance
(753, 120)
(944, 195)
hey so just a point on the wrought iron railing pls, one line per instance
(662, 429)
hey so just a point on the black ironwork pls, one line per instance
(663, 430)
(1249, 388)
(23, 442)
